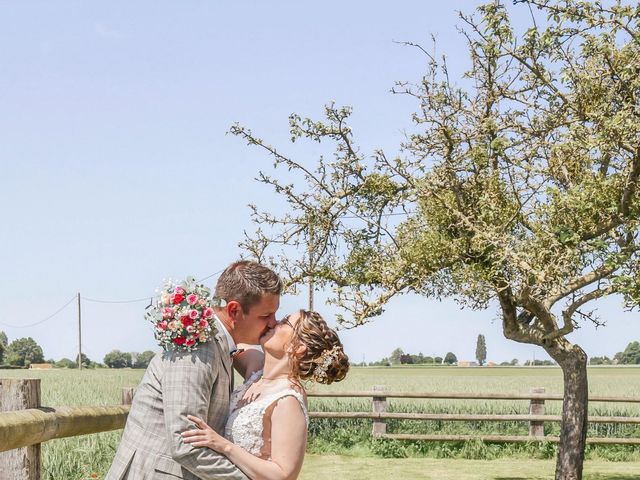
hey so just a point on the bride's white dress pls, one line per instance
(245, 422)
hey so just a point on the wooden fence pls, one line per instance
(536, 417)
(25, 424)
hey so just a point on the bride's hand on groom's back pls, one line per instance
(204, 436)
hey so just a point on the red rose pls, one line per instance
(176, 298)
(179, 340)
(186, 321)
(190, 342)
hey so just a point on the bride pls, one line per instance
(266, 432)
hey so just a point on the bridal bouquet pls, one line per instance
(182, 315)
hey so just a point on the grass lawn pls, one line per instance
(358, 468)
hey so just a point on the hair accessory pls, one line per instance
(325, 360)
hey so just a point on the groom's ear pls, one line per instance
(233, 309)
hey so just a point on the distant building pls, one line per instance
(465, 363)
(41, 366)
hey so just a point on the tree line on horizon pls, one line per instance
(22, 352)
(629, 356)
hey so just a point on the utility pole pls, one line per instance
(79, 335)
(311, 282)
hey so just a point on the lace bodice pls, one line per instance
(245, 423)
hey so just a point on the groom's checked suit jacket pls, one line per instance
(177, 384)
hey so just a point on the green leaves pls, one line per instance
(513, 186)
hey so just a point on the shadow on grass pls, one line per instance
(614, 476)
(597, 476)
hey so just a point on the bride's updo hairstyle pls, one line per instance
(324, 360)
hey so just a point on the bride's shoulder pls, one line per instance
(288, 409)
(300, 390)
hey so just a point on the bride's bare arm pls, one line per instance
(249, 361)
(288, 442)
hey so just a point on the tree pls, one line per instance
(538, 363)
(407, 359)
(86, 362)
(396, 355)
(66, 363)
(514, 362)
(450, 358)
(600, 361)
(143, 359)
(3, 345)
(117, 359)
(517, 189)
(481, 350)
(23, 352)
(630, 355)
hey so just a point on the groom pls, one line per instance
(179, 383)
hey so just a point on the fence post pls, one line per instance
(379, 406)
(20, 463)
(536, 407)
(127, 395)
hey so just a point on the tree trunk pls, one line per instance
(573, 361)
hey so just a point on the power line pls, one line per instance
(95, 300)
(209, 276)
(143, 299)
(116, 301)
(43, 320)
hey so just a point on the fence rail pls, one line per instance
(469, 396)
(25, 424)
(36, 425)
(536, 417)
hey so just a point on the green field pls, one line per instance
(358, 468)
(79, 457)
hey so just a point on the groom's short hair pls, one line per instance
(247, 282)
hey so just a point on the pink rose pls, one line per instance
(190, 342)
(208, 312)
(203, 323)
(190, 329)
(192, 299)
(162, 325)
(193, 314)
(179, 290)
(167, 312)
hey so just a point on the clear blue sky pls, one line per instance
(117, 171)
